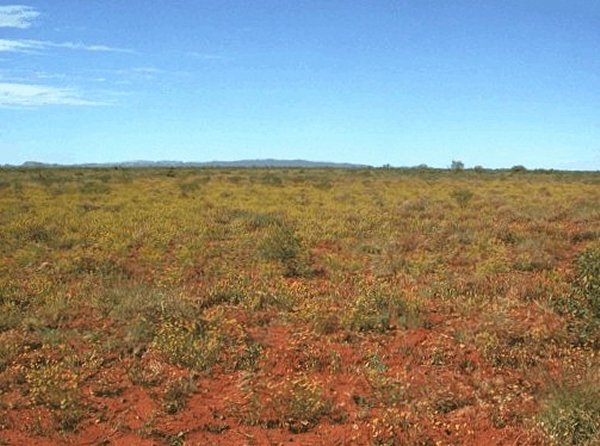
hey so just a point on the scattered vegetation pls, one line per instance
(228, 306)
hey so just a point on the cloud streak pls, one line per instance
(29, 95)
(17, 16)
(31, 46)
(205, 56)
(34, 89)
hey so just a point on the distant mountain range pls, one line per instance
(240, 163)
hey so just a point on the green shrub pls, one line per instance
(147, 375)
(282, 245)
(377, 309)
(53, 384)
(321, 314)
(189, 187)
(571, 415)
(462, 196)
(130, 303)
(34, 232)
(177, 393)
(11, 344)
(588, 277)
(249, 358)
(457, 166)
(188, 344)
(259, 220)
(296, 403)
(271, 179)
(94, 187)
(300, 404)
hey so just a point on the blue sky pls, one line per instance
(492, 83)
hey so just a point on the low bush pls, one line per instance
(571, 414)
(588, 277)
(462, 196)
(378, 308)
(188, 344)
(281, 244)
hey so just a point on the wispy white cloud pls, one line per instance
(16, 46)
(17, 16)
(205, 56)
(135, 75)
(82, 46)
(27, 45)
(146, 70)
(45, 75)
(30, 95)
(26, 88)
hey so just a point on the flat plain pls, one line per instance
(312, 306)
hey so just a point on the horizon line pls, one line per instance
(278, 163)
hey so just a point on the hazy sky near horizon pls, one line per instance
(489, 82)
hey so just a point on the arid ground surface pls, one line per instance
(272, 306)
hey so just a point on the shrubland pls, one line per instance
(366, 306)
